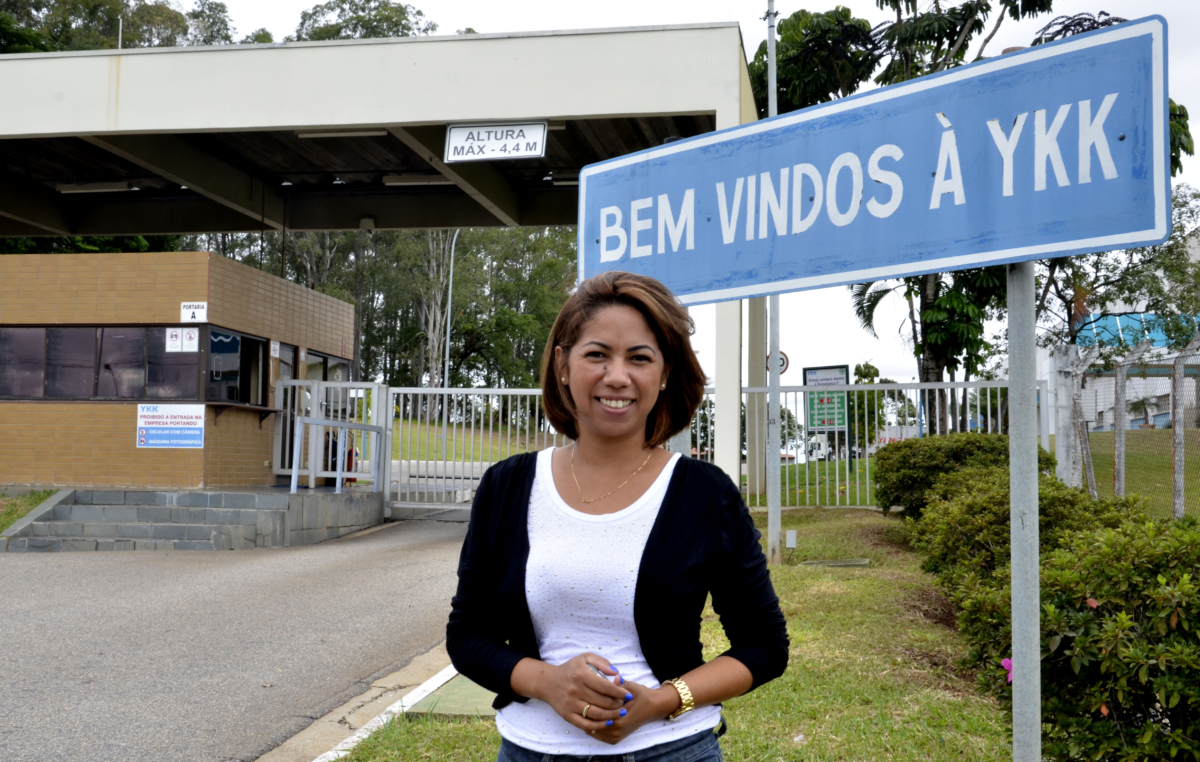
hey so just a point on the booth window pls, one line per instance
(70, 362)
(337, 370)
(236, 368)
(287, 362)
(22, 362)
(122, 370)
(170, 375)
(324, 368)
(316, 367)
(95, 362)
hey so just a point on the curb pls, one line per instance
(35, 513)
(400, 707)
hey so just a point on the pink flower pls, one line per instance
(1007, 664)
(1093, 602)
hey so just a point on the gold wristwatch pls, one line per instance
(687, 703)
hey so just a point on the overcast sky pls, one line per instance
(818, 327)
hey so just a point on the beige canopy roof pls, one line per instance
(242, 138)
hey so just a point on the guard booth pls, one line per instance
(155, 370)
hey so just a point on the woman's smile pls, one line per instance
(615, 404)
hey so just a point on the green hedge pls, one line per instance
(905, 471)
(1119, 628)
(1120, 645)
(964, 529)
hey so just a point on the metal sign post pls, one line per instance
(1023, 515)
(774, 501)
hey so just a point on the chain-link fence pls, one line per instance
(1161, 412)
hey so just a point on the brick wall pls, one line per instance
(100, 288)
(235, 448)
(148, 288)
(258, 303)
(87, 444)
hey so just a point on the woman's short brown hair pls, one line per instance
(672, 328)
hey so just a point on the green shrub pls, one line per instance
(964, 529)
(1120, 647)
(904, 471)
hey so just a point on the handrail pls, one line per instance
(341, 426)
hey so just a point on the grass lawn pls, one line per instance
(829, 483)
(418, 440)
(13, 508)
(1148, 467)
(872, 672)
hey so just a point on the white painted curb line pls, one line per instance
(400, 707)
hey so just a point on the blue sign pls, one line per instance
(1056, 150)
(170, 426)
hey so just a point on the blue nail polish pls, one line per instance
(623, 713)
(614, 669)
(628, 697)
(622, 681)
(608, 724)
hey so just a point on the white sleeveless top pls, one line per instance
(579, 582)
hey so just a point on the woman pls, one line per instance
(586, 568)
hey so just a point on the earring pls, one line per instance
(564, 380)
(664, 386)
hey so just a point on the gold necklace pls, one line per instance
(606, 494)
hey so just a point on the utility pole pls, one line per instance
(774, 503)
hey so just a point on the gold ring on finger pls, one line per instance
(586, 707)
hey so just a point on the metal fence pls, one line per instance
(1142, 439)
(442, 440)
(829, 435)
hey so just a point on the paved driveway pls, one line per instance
(196, 655)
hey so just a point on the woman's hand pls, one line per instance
(647, 705)
(570, 687)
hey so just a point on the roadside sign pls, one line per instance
(826, 410)
(784, 363)
(1056, 150)
(491, 142)
(179, 427)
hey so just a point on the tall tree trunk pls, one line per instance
(432, 306)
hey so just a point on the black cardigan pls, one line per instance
(703, 541)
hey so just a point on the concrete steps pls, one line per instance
(93, 520)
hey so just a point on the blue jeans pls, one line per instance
(701, 747)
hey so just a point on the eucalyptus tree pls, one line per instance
(361, 19)
(209, 24)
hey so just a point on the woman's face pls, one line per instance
(614, 372)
